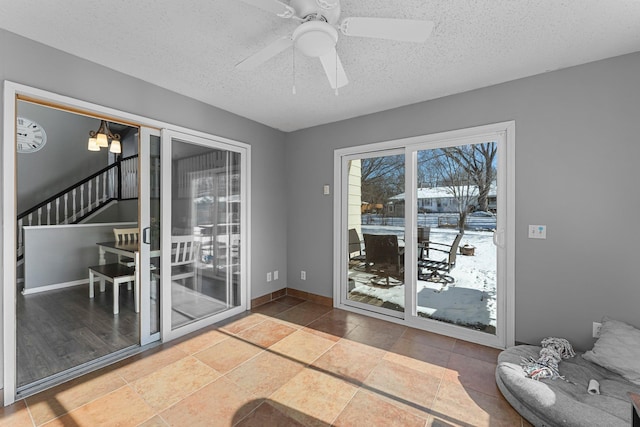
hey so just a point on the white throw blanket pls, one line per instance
(546, 366)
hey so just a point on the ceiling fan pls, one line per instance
(317, 34)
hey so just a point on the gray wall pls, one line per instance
(577, 153)
(119, 211)
(56, 255)
(46, 172)
(36, 65)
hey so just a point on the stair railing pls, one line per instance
(117, 181)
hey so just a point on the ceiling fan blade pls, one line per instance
(405, 30)
(274, 6)
(333, 69)
(265, 54)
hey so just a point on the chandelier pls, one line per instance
(101, 138)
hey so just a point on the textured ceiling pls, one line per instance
(191, 47)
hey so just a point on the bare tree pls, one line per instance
(382, 178)
(458, 184)
(477, 161)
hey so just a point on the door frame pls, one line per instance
(504, 236)
(13, 91)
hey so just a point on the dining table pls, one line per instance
(126, 249)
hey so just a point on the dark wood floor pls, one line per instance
(62, 329)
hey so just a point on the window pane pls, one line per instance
(376, 232)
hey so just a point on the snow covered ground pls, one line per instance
(469, 301)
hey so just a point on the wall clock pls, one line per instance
(30, 136)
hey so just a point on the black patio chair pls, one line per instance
(431, 269)
(384, 257)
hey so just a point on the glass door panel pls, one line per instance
(455, 207)
(203, 268)
(376, 230)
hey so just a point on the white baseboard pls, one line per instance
(55, 286)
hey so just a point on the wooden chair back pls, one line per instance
(126, 235)
(184, 250)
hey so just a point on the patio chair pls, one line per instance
(384, 257)
(437, 266)
(423, 242)
(355, 246)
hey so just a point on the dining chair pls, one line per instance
(184, 254)
(126, 235)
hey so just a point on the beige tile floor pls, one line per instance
(287, 363)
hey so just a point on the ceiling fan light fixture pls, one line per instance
(315, 38)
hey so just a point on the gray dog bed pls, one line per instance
(564, 403)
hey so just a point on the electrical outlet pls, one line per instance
(268, 276)
(596, 329)
(303, 275)
(275, 275)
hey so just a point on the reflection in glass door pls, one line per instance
(375, 225)
(203, 225)
(456, 210)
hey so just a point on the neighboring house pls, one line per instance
(440, 200)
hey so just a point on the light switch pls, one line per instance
(537, 231)
(326, 190)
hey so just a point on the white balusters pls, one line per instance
(89, 196)
(129, 171)
(105, 177)
(97, 191)
(73, 205)
(81, 200)
(20, 244)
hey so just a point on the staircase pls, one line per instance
(118, 181)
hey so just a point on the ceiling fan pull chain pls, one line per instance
(294, 69)
(336, 50)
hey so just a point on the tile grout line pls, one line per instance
(26, 404)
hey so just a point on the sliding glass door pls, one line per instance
(375, 227)
(425, 230)
(184, 196)
(456, 211)
(203, 232)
